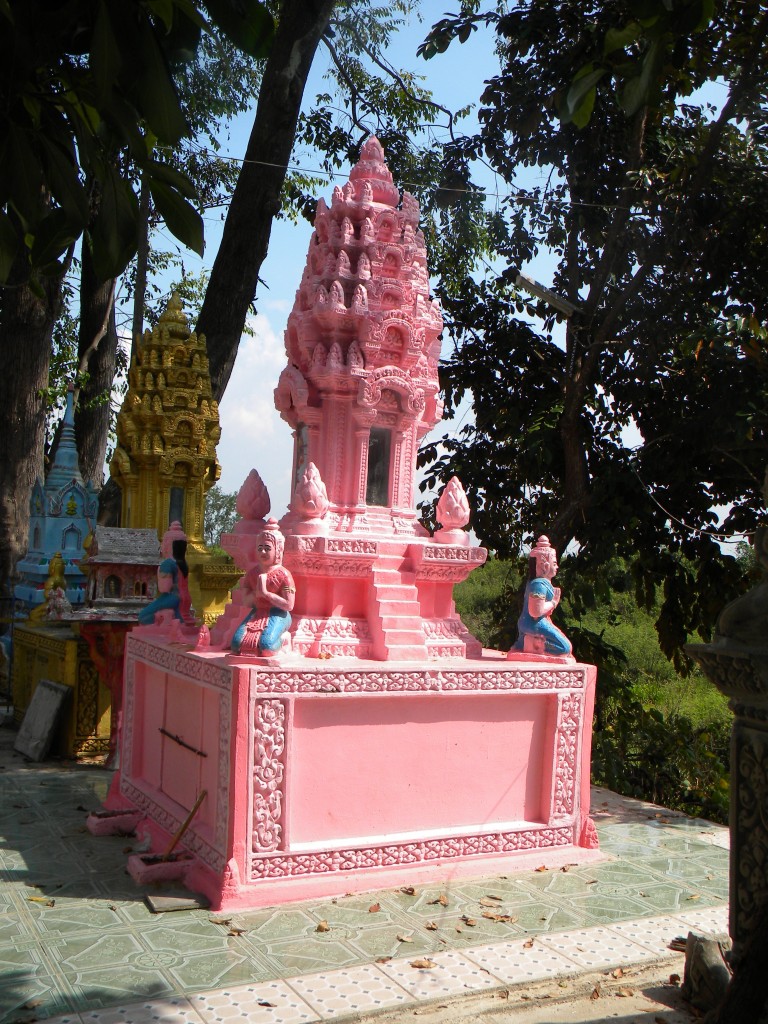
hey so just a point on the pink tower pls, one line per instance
(360, 391)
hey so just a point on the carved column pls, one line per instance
(741, 673)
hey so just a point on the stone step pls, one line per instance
(397, 637)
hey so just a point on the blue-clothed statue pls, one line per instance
(167, 593)
(537, 633)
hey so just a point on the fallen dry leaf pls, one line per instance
(567, 867)
(528, 944)
(469, 921)
(674, 979)
(501, 918)
(225, 922)
(695, 896)
(374, 908)
(431, 926)
(618, 973)
(405, 938)
(424, 964)
(596, 992)
(591, 881)
(490, 901)
(41, 899)
(236, 931)
(543, 867)
(383, 959)
(266, 1002)
(442, 899)
(323, 927)
(408, 890)
(563, 983)
(625, 992)
(459, 928)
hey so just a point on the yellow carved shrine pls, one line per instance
(165, 460)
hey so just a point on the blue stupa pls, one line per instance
(62, 514)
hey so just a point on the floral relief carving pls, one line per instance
(396, 854)
(268, 774)
(569, 717)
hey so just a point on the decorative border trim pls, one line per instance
(434, 680)
(180, 662)
(394, 855)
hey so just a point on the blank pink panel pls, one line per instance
(387, 765)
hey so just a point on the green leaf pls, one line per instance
(157, 171)
(184, 222)
(105, 57)
(619, 38)
(152, 86)
(580, 99)
(248, 24)
(9, 246)
(637, 91)
(64, 181)
(21, 176)
(53, 235)
(114, 231)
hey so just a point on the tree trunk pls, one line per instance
(26, 327)
(97, 353)
(256, 198)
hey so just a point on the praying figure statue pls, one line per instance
(168, 598)
(537, 633)
(271, 591)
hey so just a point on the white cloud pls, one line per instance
(252, 434)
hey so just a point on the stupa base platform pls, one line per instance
(326, 777)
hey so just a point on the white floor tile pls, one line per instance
(260, 1003)
(362, 989)
(594, 948)
(455, 974)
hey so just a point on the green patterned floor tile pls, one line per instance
(186, 935)
(77, 953)
(606, 907)
(388, 940)
(239, 966)
(276, 923)
(111, 986)
(24, 999)
(306, 955)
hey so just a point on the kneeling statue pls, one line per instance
(270, 588)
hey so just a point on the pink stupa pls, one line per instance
(368, 741)
(360, 391)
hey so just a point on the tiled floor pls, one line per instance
(78, 942)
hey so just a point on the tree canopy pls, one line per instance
(628, 140)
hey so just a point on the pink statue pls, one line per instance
(538, 634)
(270, 588)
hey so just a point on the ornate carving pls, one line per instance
(268, 774)
(566, 754)
(395, 854)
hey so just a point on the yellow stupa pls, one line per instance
(165, 460)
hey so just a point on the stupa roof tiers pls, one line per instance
(363, 328)
(167, 429)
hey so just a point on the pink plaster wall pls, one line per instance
(380, 766)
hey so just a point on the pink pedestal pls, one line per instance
(325, 777)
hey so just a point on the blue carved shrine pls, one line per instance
(62, 514)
